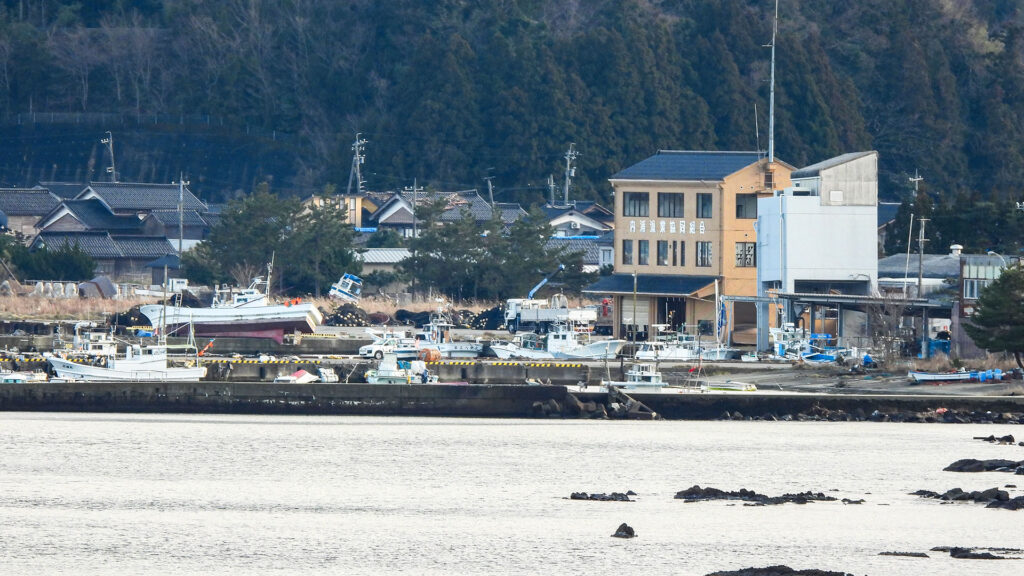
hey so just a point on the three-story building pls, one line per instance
(684, 230)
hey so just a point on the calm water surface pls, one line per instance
(132, 494)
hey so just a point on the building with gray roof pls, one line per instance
(24, 207)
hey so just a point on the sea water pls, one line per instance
(173, 494)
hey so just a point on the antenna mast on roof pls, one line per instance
(358, 158)
(771, 93)
(109, 141)
(490, 189)
(570, 171)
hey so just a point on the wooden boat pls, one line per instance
(959, 376)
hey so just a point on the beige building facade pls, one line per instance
(684, 229)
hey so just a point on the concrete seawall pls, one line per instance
(272, 398)
(751, 404)
(506, 401)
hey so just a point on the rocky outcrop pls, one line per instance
(624, 531)
(992, 498)
(777, 571)
(612, 497)
(696, 493)
(907, 554)
(995, 465)
(1008, 439)
(965, 553)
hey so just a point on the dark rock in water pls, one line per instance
(777, 571)
(970, 554)
(1008, 503)
(908, 554)
(630, 493)
(1019, 471)
(696, 493)
(613, 497)
(972, 465)
(1008, 439)
(993, 497)
(848, 501)
(624, 531)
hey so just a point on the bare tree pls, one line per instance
(885, 321)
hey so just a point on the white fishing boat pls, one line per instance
(389, 342)
(391, 370)
(919, 376)
(140, 362)
(645, 378)
(669, 347)
(565, 341)
(22, 376)
(437, 335)
(348, 288)
(245, 312)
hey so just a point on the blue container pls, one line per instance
(998, 374)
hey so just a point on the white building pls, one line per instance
(820, 235)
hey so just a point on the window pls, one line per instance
(973, 288)
(675, 245)
(635, 204)
(746, 254)
(746, 205)
(682, 253)
(670, 205)
(703, 205)
(643, 258)
(662, 252)
(627, 251)
(704, 254)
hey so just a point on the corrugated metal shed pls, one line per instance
(383, 255)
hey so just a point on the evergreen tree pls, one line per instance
(998, 320)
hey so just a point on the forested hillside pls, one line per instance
(450, 91)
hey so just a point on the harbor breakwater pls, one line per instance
(497, 401)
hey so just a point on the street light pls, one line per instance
(994, 253)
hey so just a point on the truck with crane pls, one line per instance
(539, 315)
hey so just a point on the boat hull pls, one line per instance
(243, 321)
(939, 376)
(147, 371)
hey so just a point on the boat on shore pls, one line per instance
(565, 341)
(962, 375)
(436, 334)
(140, 362)
(244, 313)
(645, 378)
(391, 370)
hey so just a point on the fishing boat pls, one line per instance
(140, 362)
(919, 376)
(22, 376)
(391, 370)
(669, 346)
(436, 334)
(244, 313)
(347, 289)
(719, 351)
(645, 378)
(389, 342)
(565, 341)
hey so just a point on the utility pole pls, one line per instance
(916, 178)
(551, 189)
(415, 230)
(358, 158)
(570, 171)
(181, 213)
(920, 255)
(112, 169)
